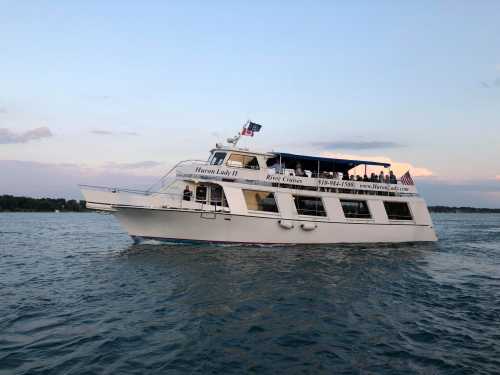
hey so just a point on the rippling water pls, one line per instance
(77, 297)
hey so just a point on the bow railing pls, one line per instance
(164, 182)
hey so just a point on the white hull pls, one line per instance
(173, 224)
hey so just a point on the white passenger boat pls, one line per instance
(242, 196)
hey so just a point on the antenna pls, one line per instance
(234, 140)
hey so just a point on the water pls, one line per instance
(76, 297)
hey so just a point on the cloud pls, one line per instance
(62, 179)
(477, 193)
(398, 167)
(98, 97)
(107, 132)
(137, 165)
(490, 84)
(215, 134)
(355, 145)
(7, 136)
(102, 97)
(101, 132)
(148, 168)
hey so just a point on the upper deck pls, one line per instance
(291, 171)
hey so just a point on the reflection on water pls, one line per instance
(78, 297)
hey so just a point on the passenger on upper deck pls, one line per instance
(299, 171)
(381, 176)
(392, 178)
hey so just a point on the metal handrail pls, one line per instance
(125, 190)
(161, 181)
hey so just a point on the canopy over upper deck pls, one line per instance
(312, 162)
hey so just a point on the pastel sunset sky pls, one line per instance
(115, 92)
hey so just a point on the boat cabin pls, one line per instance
(257, 176)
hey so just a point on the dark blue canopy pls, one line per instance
(341, 165)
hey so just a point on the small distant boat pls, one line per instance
(56, 211)
(243, 196)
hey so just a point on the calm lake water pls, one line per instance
(77, 297)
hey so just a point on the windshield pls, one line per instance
(217, 158)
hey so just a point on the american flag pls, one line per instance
(246, 131)
(406, 179)
(250, 127)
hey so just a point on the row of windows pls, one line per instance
(313, 206)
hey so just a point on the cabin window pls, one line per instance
(398, 211)
(355, 209)
(260, 201)
(217, 196)
(201, 194)
(312, 206)
(243, 161)
(218, 158)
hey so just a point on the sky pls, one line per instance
(116, 92)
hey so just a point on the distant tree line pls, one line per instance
(10, 203)
(470, 210)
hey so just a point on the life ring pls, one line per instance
(308, 226)
(287, 224)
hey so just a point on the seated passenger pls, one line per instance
(351, 177)
(386, 179)
(335, 174)
(187, 193)
(359, 178)
(365, 178)
(381, 177)
(345, 176)
(373, 177)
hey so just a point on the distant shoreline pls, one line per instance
(10, 203)
(463, 210)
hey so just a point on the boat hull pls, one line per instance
(195, 226)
